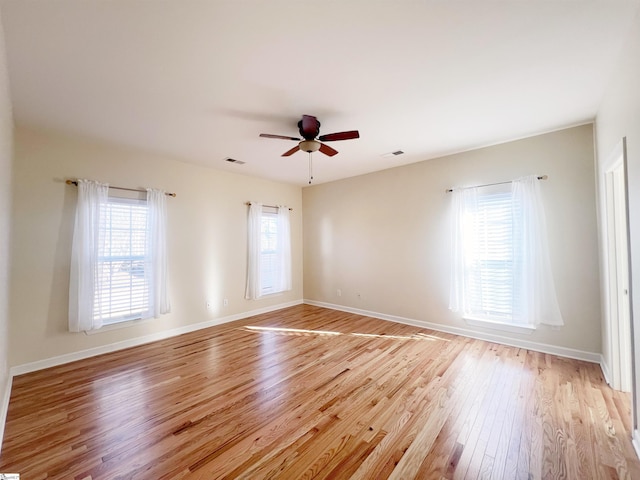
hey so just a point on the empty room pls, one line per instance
(296, 239)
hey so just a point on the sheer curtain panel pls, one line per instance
(538, 293)
(462, 200)
(83, 278)
(254, 254)
(157, 252)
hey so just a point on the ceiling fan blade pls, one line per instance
(283, 137)
(292, 151)
(332, 137)
(327, 150)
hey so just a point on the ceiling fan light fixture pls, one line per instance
(309, 146)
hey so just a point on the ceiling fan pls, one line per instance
(309, 128)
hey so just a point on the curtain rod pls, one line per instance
(449, 190)
(270, 206)
(75, 182)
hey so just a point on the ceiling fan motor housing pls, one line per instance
(309, 127)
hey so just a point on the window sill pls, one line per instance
(496, 325)
(117, 326)
(272, 294)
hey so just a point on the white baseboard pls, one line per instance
(538, 347)
(134, 342)
(4, 407)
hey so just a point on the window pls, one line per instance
(500, 268)
(269, 241)
(122, 291)
(118, 268)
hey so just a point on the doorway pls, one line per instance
(619, 312)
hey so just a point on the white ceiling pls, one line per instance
(200, 80)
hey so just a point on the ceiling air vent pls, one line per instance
(233, 160)
(393, 154)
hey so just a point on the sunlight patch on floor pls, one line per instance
(292, 331)
(325, 333)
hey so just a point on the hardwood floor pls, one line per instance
(307, 392)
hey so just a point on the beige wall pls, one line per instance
(207, 239)
(6, 133)
(383, 238)
(618, 117)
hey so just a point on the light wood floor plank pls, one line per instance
(307, 392)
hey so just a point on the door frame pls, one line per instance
(616, 253)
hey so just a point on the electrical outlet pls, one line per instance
(209, 305)
(225, 302)
(339, 292)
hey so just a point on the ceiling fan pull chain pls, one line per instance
(310, 169)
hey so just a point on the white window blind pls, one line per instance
(269, 264)
(123, 283)
(491, 257)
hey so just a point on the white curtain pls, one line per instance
(535, 278)
(254, 251)
(284, 250)
(534, 299)
(157, 253)
(92, 196)
(462, 200)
